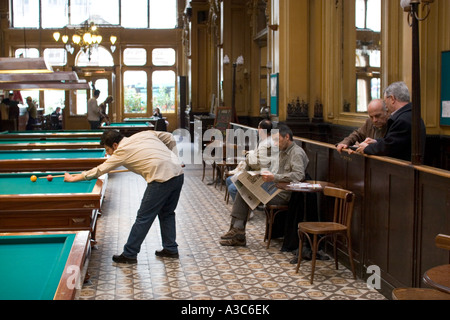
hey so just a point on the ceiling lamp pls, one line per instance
(86, 37)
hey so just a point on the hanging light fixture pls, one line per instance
(86, 37)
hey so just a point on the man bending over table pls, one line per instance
(151, 154)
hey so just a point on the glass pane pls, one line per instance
(34, 94)
(27, 53)
(360, 58)
(135, 91)
(163, 14)
(375, 58)
(99, 11)
(135, 57)
(26, 14)
(361, 95)
(164, 91)
(163, 57)
(102, 85)
(54, 99)
(99, 57)
(81, 102)
(360, 14)
(374, 15)
(56, 57)
(135, 16)
(375, 85)
(368, 14)
(55, 13)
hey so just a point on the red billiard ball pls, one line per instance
(49, 177)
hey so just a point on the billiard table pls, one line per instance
(50, 159)
(49, 143)
(128, 128)
(43, 265)
(50, 134)
(48, 205)
(152, 120)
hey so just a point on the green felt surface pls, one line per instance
(50, 140)
(50, 132)
(20, 183)
(52, 154)
(31, 266)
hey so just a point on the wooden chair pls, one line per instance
(271, 210)
(419, 294)
(341, 225)
(442, 241)
(227, 194)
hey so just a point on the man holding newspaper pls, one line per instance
(288, 164)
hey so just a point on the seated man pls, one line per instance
(290, 166)
(56, 118)
(255, 159)
(374, 127)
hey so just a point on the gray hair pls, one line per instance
(399, 90)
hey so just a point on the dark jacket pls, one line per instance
(397, 141)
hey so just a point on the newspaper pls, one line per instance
(253, 189)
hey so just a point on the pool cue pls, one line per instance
(60, 176)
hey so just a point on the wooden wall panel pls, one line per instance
(434, 219)
(389, 220)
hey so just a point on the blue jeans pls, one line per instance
(160, 199)
(232, 190)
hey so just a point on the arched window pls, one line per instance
(99, 57)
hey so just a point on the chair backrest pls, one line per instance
(343, 205)
(443, 241)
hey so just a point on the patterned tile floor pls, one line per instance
(205, 270)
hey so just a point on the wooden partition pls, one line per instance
(399, 210)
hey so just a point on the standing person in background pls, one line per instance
(32, 113)
(103, 112)
(157, 113)
(93, 111)
(4, 109)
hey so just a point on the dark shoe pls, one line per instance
(232, 233)
(322, 255)
(166, 254)
(306, 254)
(123, 259)
(235, 242)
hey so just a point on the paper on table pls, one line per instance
(305, 185)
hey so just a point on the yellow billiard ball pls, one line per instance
(33, 178)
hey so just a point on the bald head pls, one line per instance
(378, 113)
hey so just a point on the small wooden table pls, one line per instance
(305, 187)
(438, 278)
(308, 186)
